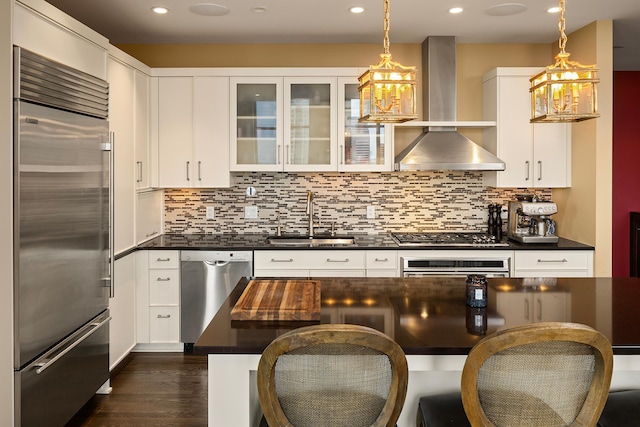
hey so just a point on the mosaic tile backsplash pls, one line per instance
(417, 201)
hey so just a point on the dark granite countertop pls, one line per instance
(363, 241)
(429, 315)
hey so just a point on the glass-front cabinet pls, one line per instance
(256, 124)
(361, 146)
(283, 124)
(304, 124)
(310, 124)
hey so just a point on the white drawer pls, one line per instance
(553, 260)
(305, 259)
(382, 260)
(164, 259)
(164, 287)
(164, 324)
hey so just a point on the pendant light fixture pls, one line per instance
(388, 89)
(566, 90)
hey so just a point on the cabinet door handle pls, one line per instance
(278, 161)
(286, 154)
(552, 260)
(526, 170)
(163, 259)
(139, 179)
(188, 164)
(164, 316)
(342, 154)
(165, 279)
(337, 260)
(539, 170)
(526, 309)
(539, 309)
(199, 170)
(281, 260)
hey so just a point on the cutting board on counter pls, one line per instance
(279, 300)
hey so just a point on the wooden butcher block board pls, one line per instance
(279, 300)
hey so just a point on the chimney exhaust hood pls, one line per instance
(441, 147)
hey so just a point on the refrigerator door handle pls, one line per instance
(108, 281)
(44, 365)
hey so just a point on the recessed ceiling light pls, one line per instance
(259, 9)
(554, 9)
(506, 9)
(356, 9)
(209, 9)
(160, 10)
(455, 10)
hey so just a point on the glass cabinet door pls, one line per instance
(362, 146)
(257, 134)
(309, 124)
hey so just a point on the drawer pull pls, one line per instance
(281, 260)
(164, 316)
(160, 279)
(337, 260)
(553, 260)
(381, 259)
(163, 259)
(151, 234)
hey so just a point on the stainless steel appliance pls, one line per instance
(62, 250)
(447, 239)
(206, 279)
(459, 267)
(530, 222)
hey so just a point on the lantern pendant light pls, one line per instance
(388, 89)
(566, 90)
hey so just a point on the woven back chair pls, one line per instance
(333, 376)
(544, 374)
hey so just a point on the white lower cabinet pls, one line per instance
(309, 263)
(158, 297)
(122, 308)
(382, 264)
(574, 263)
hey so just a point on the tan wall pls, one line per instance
(585, 208)
(6, 221)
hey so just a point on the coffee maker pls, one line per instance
(530, 222)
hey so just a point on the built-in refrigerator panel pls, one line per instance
(59, 200)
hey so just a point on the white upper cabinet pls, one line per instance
(536, 155)
(366, 147)
(310, 124)
(256, 124)
(283, 124)
(192, 131)
(141, 113)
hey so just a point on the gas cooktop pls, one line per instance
(446, 239)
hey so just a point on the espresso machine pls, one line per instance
(530, 222)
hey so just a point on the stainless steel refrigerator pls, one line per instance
(62, 253)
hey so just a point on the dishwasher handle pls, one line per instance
(217, 263)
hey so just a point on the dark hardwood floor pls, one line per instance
(152, 389)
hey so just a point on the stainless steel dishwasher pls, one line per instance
(206, 279)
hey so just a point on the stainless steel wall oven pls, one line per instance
(425, 266)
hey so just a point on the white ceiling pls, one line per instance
(329, 21)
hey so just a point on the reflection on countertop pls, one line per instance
(428, 315)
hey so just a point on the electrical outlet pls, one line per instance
(371, 212)
(250, 212)
(211, 212)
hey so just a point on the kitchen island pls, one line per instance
(428, 317)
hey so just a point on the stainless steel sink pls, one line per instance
(311, 241)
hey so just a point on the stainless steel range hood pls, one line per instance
(442, 147)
